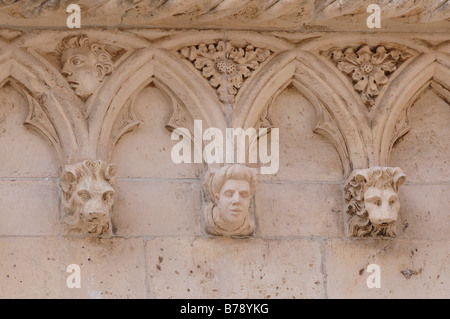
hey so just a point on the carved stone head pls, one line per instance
(230, 189)
(372, 201)
(88, 196)
(84, 64)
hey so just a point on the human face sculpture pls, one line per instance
(382, 205)
(80, 71)
(234, 201)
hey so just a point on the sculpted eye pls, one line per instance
(244, 195)
(107, 196)
(77, 61)
(375, 201)
(392, 201)
(228, 194)
(84, 195)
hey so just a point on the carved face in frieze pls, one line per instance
(230, 188)
(234, 201)
(88, 197)
(79, 70)
(372, 201)
(84, 64)
(382, 205)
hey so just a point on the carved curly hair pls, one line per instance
(104, 61)
(71, 177)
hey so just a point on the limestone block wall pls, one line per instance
(341, 102)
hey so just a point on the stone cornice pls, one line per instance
(289, 15)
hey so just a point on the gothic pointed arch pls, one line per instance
(336, 109)
(49, 113)
(391, 122)
(189, 94)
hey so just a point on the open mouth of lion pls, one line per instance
(98, 226)
(383, 225)
(96, 222)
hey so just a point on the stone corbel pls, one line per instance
(87, 198)
(229, 191)
(372, 202)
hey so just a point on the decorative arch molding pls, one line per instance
(361, 139)
(50, 39)
(140, 69)
(49, 113)
(411, 45)
(391, 122)
(187, 38)
(38, 119)
(338, 112)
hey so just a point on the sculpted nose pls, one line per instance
(235, 198)
(387, 216)
(66, 71)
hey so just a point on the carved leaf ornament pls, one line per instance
(225, 66)
(368, 69)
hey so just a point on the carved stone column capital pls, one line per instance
(230, 190)
(371, 198)
(87, 197)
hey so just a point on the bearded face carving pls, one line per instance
(88, 196)
(230, 190)
(372, 201)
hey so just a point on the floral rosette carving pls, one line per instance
(368, 69)
(225, 66)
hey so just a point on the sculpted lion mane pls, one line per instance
(359, 224)
(88, 196)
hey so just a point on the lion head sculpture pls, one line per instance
(371, 197)
(88, 196)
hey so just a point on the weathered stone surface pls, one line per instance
(299, 210)
(409, 268)
(342, 96)
(146, 151)
(18, 143)
(304, 155)
(427, 142)
(29, 207)
(425, 212)
(291, 15)
(36, 267)
(228, 268)
(157, 208)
